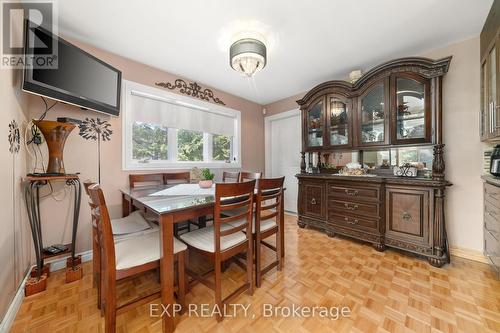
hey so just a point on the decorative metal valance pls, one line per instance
(192, 89)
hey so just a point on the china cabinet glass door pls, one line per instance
(372, 116)
(315, 125)
(339, 122)
(411, 110)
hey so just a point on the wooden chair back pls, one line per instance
(140, 180)
(268, 200)
(104, 233)
(232, 176)
(229, 197)
(86, 185)
(244, 176)
(176, 178)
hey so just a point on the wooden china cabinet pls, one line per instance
(396, 104)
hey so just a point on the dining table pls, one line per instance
(171, 204)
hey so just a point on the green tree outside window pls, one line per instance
(149, 142)
(189, 145)
(221, 147)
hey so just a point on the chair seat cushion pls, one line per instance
(132, 223)
(121, 238)
(264, 225)
(203, 239)
(142, 249)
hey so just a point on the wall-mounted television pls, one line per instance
(79, 78)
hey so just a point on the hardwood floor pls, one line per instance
(386, 292)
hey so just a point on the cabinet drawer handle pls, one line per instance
(355, 221)
(406, 217)
(351, 192)
(313, 201)
(350, 207)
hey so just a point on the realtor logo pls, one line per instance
(38, 18)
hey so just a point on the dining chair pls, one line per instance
(173, 178)
(96, 259)
(268, 211)
(244, 176)
(223, 241)
(124, 228)
(148, 179)
(230, 175)
(128, 258)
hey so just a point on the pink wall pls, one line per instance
(81, 155)
(283, 105)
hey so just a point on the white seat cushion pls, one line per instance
(120, 238)
(264, 225)
(132, 223)
(142, 249)
(203, 239)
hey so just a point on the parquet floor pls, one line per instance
(386, 292)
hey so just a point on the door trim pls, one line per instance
(267, 135)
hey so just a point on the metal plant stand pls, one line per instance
(32, 186)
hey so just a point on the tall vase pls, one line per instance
(55, 134)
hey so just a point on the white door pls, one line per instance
(283, 144)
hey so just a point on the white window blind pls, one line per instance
(161, 111)
(158, 131)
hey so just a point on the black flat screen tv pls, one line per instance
(79, 79)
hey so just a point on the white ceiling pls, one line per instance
(309, 41)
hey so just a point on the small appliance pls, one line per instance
(495, 161)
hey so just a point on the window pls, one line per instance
(166, 130)
(221, 147)
(149, 142)
(189, 145)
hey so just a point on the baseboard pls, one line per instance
(468, 254)
(60, 263)
(14, 306)
(10, 315)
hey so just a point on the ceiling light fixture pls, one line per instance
(247, 56)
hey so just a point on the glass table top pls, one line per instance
(155, 198)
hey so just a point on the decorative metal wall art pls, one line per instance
(96, 130)
(14, 137)
(192, 89)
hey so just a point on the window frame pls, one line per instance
(129, 164)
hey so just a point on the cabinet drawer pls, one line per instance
(357, 208)
(492, 194)
(492, 248)
(349, 193)
(491, 217)
(352, 221)
(492, 224)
